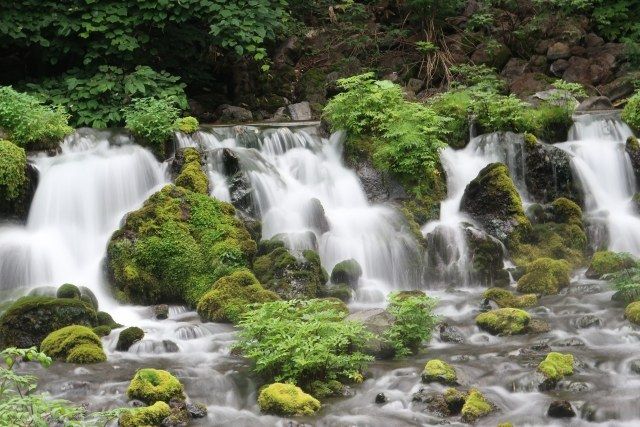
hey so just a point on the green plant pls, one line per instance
(627, 284)
(303, 341)
(152, 120)
(28, 122)
(478, 77)
(414, 322)
(575, 89)
(13, 162)
(495, 112)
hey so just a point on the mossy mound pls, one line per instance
(504, 321)
(556, 366)
(146, 416)
(191, 175)
(75, 344)
(632, 312)
(323, 389)
(68, 291)
(13, 177)
(231, 296)
(86, 353)
(608, 262)
(438, 371)
(89, 297)
(105, 319)
(566, 211)
(475, 406)
(30, 319)
(347, 272)
(287, 400)
(289, 277)
(545, 276)
(175, 247)
(506, 299)
(153, 385)
(187, 124)
(492, 200)
(102, 330)
(128, 337)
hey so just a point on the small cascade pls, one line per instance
(597, 143)
(302, 193)
(82, 195)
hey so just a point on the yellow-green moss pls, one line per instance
(145, 417)
(504, 321)
(556, 366)
(231, 296)
(506, 299)
(68, 291)
(607, 262)
(102, 330)
(545, 276)
(187, 124)
(566, 211)
(153, 385)
(475, 406)
(59, 344)
(191, 175)
(438, 371)
(13, 163)
(86, 353)
(287, 399)
(632, 312)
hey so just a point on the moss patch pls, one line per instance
(504, 321)
(438, 371)
(86, 353)
(347, 272)
(128, 337)
(145, 417)
(545, 276)
(153, 385)
(68, 291)
(506, 299)
(187, 124)
(191, 175)
(475, 406)
(632, 312)
(13, 164)
(607, 262)
(75, 344)
(556, 366)
(287, 399)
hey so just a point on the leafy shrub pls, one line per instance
(414, 321)
(13, 162)
(319, 344)
(495, 112)
(456, 105)
(627, 284)
(631, 112)
(28, 122)
(481, 78)
(152, 120)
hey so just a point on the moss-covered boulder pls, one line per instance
(506, 299)
(86, 353)
(556, 366)
(128, 337)
(492, 200)
(565, 211)
(30, 319)
(191, 175)
(175, 247)
(102, 330)
(187, 124)
(88, 296)
(231, 296)
(608, 262)
(68, 291)
(153, 385)
(105, 319)
(504, 321)
(18, 181)
(74, 344)
(440, 372)
(287, 400)
(545, 276)
(632, 312)
(346, 272)
(146, 416)
(290, 277)
(475, 406)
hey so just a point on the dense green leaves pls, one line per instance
(153, 121)
(414, 321)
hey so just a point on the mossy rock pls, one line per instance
(68, 291)
(187, 124)
(323, 389)
(545, 276)
(128, 337)
(440, 372)
(175, 247)
(74, 344)
(632, 312)
(89, 297)
(455, 400)
(191, 176)
(105, 319)
(30, 319)
(153, 385)
(147, 416)
(566, 211)
(608, 262)
(506, 299)
(487, 256)
(231, 296)
(552, 240)
(504, 321)
(86, 353)
(290, 277)
(347, 272)
(556, 366)
(492, 200)
(475, 406)
(286, 400)
(102, 330)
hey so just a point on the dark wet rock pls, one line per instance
(561, 409)
(588, 321)
(196, 410)
(595, 103)
(569, 342)
(17, 209)
(619, 88)
(135, 403)
(381, 398)
(379, 186)
(634, 366)
(432, 401)
(161, 311)
(170, 346)
(548, 173)
(128, 337)
(450, 333)
(316, 217)
(585, 289)
(632, 147)
(589, 412)
(461, 358)
(376, 321)
(487, 257)
(346, 272)
(176, 419)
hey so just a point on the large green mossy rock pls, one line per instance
(492, 200)
(504, 321)
(146, 416)
(545, 276)
(438, 371)
(347, 272)
(287, 400)
(30, 319)
(153, 385)
(174, 248)
(74, 344)
(290, 277)
(608, 262)
(475, 406)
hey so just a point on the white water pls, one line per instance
(604, 169)
(290, 171)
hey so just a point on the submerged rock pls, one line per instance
(588, 321)
(380, 398)
(561, 409)
(161, 312)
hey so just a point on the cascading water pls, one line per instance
(597, 143)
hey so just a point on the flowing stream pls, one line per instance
(84, 192)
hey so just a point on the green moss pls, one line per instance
(102, 330)
(30, 319)
(556, 366)
(176, 246)
(323, 389)
(286, 400)
(566, 211)
(475, 406)
(88, 296)
(530, 140)
(187, 124)
(545, 276)
(105, 319)
(552, 240)
(145, 417)
(607, 262)
(631, 112)
(504, 321)
(191, 175)
(347, 272)
(438, 371)
(128, 337)
(632, 312)
(231, 296)
(75, 344)
(455, 400)
(506, 299)
(13, 164)
(68, 291)
(86, 353)
(153, 385)
(551, 123)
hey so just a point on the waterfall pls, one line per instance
(304, 195)
(82, 195)
(597, 143)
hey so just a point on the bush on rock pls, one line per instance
(287, 400)
(153, 385)
(413, 323)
